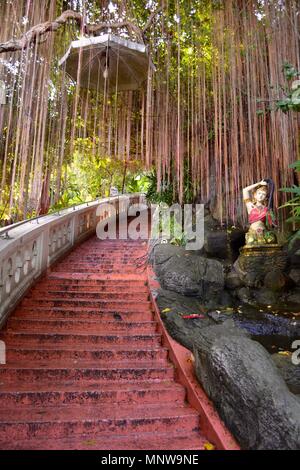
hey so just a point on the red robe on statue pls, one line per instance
(260, 214)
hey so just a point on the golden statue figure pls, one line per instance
(258, 198)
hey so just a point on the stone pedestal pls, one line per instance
(255, 262)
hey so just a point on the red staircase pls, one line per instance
(85, 365)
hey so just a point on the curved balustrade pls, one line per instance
(33, 246)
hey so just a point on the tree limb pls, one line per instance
(39, 30)
(35, 33)
(151, 18)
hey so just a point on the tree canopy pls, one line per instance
(204, 121)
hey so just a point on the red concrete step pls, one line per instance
(79, 326)
(51, 394)
(108, 264)
(117, 256)
(118, 353)
(108, 258)
(97, 270)
(79, 372)
(87, 287)
(86, 367)
(67, 421)
(69, 281)
(81, 302)
(112, 245)
(113, 258)
(174, 440)
(104, 263)
(88, 295)
(102, 270)
(96, 249)
(90, 267)
(85, 313)
(14, 338)
(113, 277)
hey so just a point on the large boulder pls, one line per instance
(216, 244)
(163, 252)
(210, 224)
(188, 274)
(294, 276)
(172, 307)
(293, 253)
(233, 281)
(293, 298)
(221, 243)
(244, 294)
(257, 297)
(275, 280)
(252, 398)
(289, 371)
(236, 238)
(255, 262)
(265, 296)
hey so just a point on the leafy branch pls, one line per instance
(291, 102)
(294, 203)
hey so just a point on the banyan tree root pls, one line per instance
(35, 33)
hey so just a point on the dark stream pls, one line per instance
(275, 328)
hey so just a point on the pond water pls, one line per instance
(274, 327)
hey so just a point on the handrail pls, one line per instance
(5, 230)
(10, 227)
(34, 249)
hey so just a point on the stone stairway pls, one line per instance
(86, 368)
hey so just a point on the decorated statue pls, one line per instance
(258, 198)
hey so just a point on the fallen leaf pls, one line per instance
(166, 310)
(285, 353)
(208, 446)
(89, 443)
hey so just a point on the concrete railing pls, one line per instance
(35, 245)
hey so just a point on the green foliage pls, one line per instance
(294, 203)
(178, 236)
(169, 225)
(89, 175)
(289, 71)
(291, 99)
(157, 197)
(167, 194)
(70, 194)
(138, 183)
(291, 102)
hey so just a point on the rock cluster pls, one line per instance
(255, 392)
